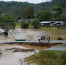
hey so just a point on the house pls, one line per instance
(45, 23)
(51, 23)
(56, 23)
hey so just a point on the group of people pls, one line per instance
(42, 38)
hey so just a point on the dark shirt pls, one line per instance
(41, 37)
(44, 37)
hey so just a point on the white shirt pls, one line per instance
(39, 37)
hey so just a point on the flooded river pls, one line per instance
(32, 34)
(9, 57)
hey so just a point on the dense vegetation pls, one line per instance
(6, 23)
(49, 58)
(35, 23)
(24, 24)
(46, 11)
(15, 8)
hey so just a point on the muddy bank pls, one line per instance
(38, 46)
(34, 47)
(20, 49)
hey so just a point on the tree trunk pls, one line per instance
(5, 33)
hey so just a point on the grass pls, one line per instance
(18, 25)
(64, 44)
(30, 26)
(49, 58)
(50, 28)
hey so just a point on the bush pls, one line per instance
(59, 38)
(35, 23)
(24, 24)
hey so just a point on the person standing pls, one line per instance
(39, 38)
(44, 37)
(49, 39)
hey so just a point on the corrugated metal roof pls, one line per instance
(44, 22)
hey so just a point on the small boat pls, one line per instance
(20, 39)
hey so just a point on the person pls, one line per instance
(44, 37)
(39, 38)
(49, 39)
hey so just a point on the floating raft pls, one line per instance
(20, 39)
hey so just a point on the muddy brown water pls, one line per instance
(9, 57)
(32, 34)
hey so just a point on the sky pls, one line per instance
(30, 1)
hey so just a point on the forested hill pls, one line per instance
(14, 8)
(6, 6)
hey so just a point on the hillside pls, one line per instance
(15, 8)
(5, 6)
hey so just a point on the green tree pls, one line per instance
(6, 23)
(59, 11)
(43, 15)
(63, 17)
(36, 23)
(56, 13)
(1, 12)
(15, 12)
(28, 12)
(24, 24)
(65, 23)
(53, 16)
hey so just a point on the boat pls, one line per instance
(20, 39)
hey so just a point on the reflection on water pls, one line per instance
(32, 34)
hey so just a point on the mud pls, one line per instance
(21, 50)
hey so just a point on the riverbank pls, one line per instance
(11, 58)
(41, 47)
(48, 58)
(45, 57)
(38, 46)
